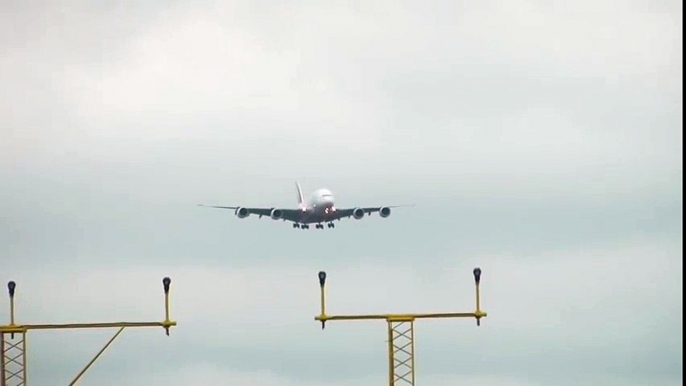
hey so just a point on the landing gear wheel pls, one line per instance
(296, 225)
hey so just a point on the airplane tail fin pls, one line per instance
(300, 193)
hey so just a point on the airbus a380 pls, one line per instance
(318, 209)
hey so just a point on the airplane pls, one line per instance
(318, 209)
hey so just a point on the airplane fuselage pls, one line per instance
(318, 208)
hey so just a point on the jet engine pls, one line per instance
(385, 212)
(275, 214)
(358, 213)
(242, 212)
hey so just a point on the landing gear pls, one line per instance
(317, 226)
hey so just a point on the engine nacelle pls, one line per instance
(276, 214)
(358, 213)
(242, 212)
(385, 212)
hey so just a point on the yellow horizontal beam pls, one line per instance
(401, 317)
(12, 329)
(25, 327)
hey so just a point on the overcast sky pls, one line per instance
(540, 141)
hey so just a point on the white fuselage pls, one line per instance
(319, 204)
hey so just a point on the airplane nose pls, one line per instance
(328, 202)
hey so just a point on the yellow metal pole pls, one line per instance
(322, 297)
(96, 357)
(477, 281)
(11, 286)
(166, 307)
(478, 303)
(166, 282)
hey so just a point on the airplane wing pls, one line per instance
(349, 212)
(286, 214)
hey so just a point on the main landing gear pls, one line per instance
(317, 226)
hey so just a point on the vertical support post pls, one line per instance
(11, 287)
(401, 359)
(166, 282)
(13, 364)
(322, 295)
(477, 281)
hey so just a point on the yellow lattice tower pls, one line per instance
(13, 342)
(401, 332)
